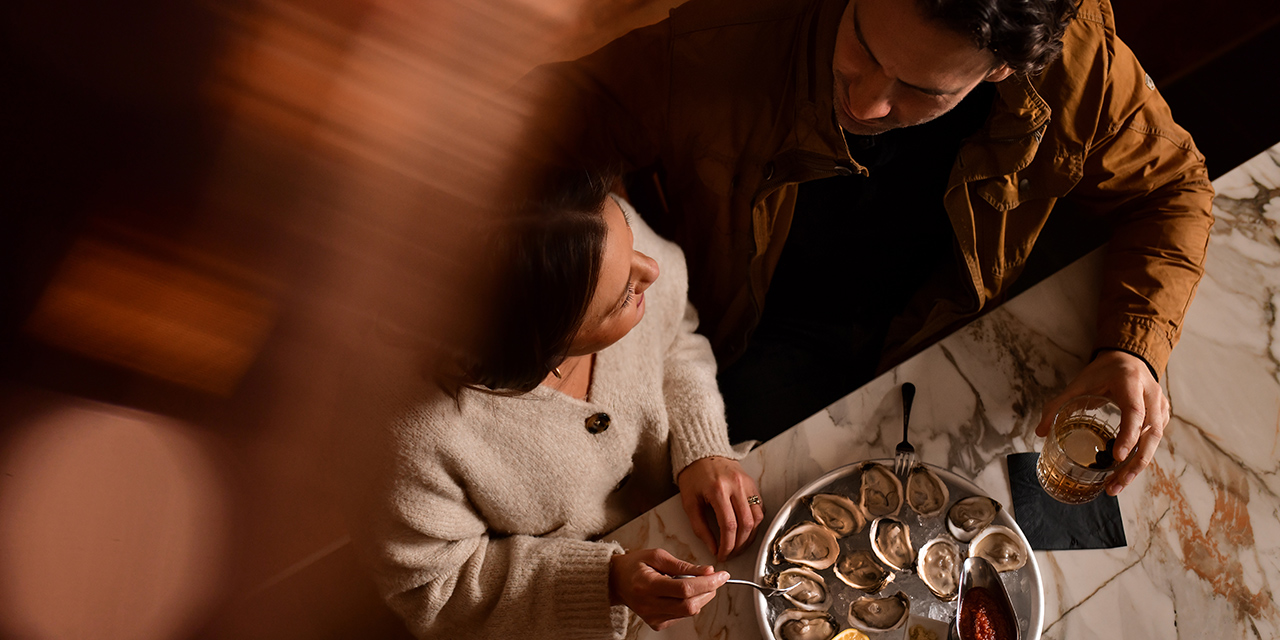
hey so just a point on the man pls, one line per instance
(907, 155)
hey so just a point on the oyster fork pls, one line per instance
(768, 592)
(905, 458)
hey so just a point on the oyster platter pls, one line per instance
(877, 554)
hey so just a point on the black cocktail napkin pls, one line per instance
(1053, 526)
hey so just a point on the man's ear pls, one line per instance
(999, 73)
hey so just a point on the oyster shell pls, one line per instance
(808, 544)
(1001, 547)
(970, 515)
(794, 624)
(811, 595)
(879, 614)
(881, 491)
(938, 566)
(926, 493)
(891, 542)
(837, 513)
(860, 570)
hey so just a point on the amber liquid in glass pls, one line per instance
(1078, 440)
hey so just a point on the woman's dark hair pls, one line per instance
(1024, 34)
(544, 260)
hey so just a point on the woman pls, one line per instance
(571, 421)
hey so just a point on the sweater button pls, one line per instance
(843, 170)
(1024, 185)
(599, 423)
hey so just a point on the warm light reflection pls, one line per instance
(182, 321)
(112, 525)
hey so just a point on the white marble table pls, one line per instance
(1201, 522)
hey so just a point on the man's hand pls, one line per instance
(721, 484)
(1144, 411)
(642, 581)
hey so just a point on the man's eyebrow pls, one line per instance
(857, 30)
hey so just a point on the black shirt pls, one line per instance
(860, 247)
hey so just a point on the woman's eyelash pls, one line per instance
(631, 294)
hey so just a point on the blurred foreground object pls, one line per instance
(113, 524)
(182, 320)
(209, 201)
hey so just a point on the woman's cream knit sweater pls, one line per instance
(489, 506)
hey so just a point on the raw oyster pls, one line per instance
(891, 542)
(808, 544)
(879, 614)
(881, 492)
(837, 513)
(794, 624)
(926, 492)
(811, 595)
(1001, 547)
(860, 570)
(938, 566)
(969, 516)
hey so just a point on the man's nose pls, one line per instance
(869, 97)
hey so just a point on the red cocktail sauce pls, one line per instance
(983, 617)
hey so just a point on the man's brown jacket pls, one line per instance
(731, 103)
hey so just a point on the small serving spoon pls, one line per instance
(768, 592)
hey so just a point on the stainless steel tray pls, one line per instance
(1024, 585)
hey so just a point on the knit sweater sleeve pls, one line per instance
(442, 568)
(695, 408)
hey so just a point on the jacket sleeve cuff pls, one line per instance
(1138, 336)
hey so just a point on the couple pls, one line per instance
(781, 133)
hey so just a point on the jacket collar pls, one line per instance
(816, 129)
(1018, 110)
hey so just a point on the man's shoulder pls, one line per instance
(702, 15)
(1091, 33)
(1094, 14)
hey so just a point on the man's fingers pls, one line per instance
(1141, 457)
(693, 509)
(1133, 416)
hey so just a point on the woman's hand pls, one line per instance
(721, 484)
(642, 581)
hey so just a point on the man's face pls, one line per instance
(895, 69)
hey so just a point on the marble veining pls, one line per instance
(1203, 522)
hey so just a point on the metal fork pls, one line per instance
(905, 458)
(768, 592)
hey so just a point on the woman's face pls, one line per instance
(618, 302)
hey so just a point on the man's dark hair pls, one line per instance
(544, 259)
(1024, 34)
